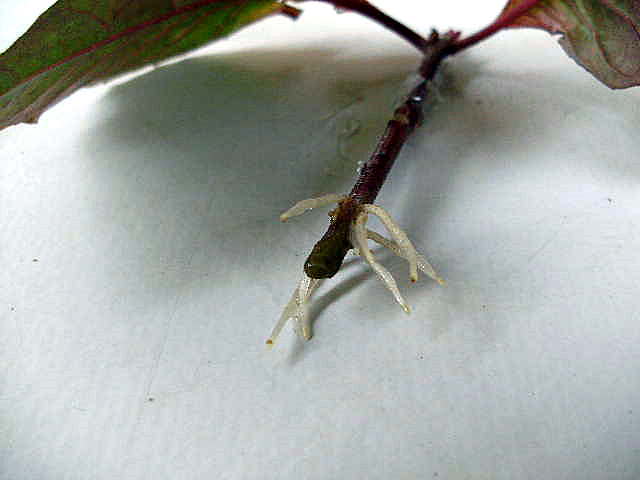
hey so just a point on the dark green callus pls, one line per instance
(327, 255)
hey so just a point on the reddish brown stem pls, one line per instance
(289, 11)
(327, 255)
(368, 10)
(502, 22)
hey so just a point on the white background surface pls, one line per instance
(133, 347)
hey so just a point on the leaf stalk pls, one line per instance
(370, 11)
(504, 20)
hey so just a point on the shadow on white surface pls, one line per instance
(223, 144)
(162, 267)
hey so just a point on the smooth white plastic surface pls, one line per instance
(142, 266)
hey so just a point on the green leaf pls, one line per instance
(78, 42)
(601, 35)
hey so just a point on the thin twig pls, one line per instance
(370, 11)
(289, 11)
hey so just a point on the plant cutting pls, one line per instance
(109, 38)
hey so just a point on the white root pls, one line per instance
(409, 251)
(310, 203)
(359, 239)
(423, 263)
(297, 309)
(284, 318)
(303, 325)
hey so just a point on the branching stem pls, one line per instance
(327, 255)
(347, 228)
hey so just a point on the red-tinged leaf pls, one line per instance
(77, 42)
(601, 35)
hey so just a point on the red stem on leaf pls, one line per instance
(502, 22)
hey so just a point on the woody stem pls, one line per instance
(327, 255)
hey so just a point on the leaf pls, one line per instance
(601, 35)
(78, 42)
